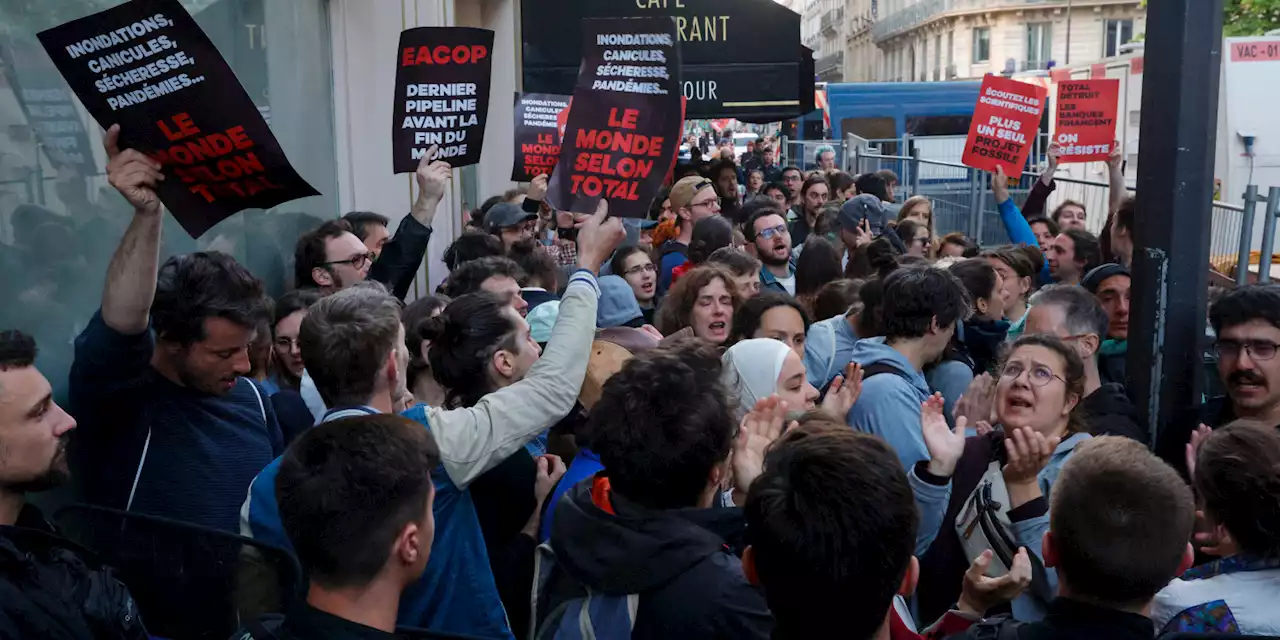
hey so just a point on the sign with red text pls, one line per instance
(148, 67)
(626, 118)
(1005, 121)
(442, 95)
(1085, 126)
(537, 134)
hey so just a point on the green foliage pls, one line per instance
(1250, 17)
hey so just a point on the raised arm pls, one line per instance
(1014, 223)
(1115, 178)
(402, 256)
(473, 440)
(432, 176)
(1040, 190)
(131, 276)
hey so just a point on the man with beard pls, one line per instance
(770, 241)
(34, 432)
(1246, 322)
(169, 425)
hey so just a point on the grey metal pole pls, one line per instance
(1246, 234)
(975, 204)
(1268, 235)
(915, 172)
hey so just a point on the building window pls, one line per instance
(1118, 32)
(981, 45)
(1039, 45)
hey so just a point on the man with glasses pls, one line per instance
(510, 223)
(1076, 317)
(331, 258)
(793, 178)
(692, 199)
(770, 241)
(1246, 322)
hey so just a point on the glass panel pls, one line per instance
(60, 221)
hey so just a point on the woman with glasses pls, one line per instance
(286, 362)
(291, 308)
(637, 268)
(1039, 385)
(916, 237)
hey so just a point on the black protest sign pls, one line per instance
(626, 118)
(537, 134)
(49, 106)
(739, 56)
(442, 95)
(148, 67)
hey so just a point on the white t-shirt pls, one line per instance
(788, 283)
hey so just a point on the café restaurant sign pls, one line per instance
(741, 58)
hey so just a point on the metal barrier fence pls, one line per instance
(962, 198)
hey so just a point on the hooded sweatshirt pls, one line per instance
(1109, 412)
(889, 406)
(678, 561)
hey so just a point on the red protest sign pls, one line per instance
(1005, 121)
(1085, 126)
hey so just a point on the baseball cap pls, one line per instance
(505, 214)
(1097, 275)
(618, 306)
(859, 208)
(683, 191)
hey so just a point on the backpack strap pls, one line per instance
(879, 368)
(263, 627)
(1001, 627)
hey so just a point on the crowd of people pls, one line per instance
(781, 407)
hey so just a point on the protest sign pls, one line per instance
(442, 95)
(49, 106)
(1005, 121)
(1085, 127)
(147, 66)
(537, 134)
(625, 119)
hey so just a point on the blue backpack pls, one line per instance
(565, 609)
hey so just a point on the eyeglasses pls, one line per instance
(769, 233)
(1258, 349)
(641, 268)
(713, 203)
(1038, 376)
(287, 343)
(357, 262)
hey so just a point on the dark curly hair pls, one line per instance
(468, 277)
(676, 311)
(746, 320)
(662, 423)
(1238, 477)
(463, 339)
(414, 317)
(196, 286)
(914, 297)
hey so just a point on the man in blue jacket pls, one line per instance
(355, 340)
(921, 308)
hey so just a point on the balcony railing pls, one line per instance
(826, 64)
(927, 10)
(831, 20)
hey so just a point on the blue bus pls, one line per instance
(888, 110)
